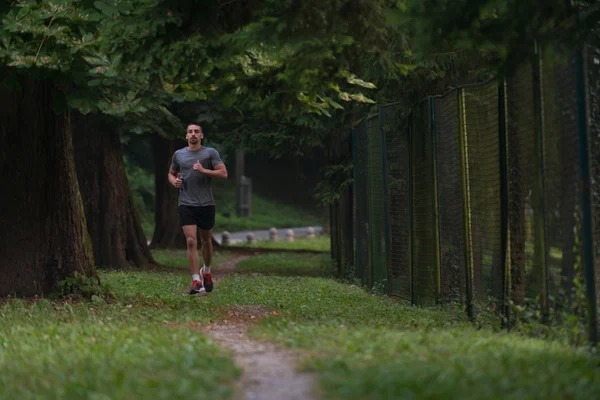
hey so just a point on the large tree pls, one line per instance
(112, 219)
(44, 237)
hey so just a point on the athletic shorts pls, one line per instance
(203, 217)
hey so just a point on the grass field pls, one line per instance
(178, 258)
(266, 213)
(146, 342)
(284, 264)
(319, 243)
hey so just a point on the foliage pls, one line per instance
(507, 28)
(79, 286)
(142, 187)
(337, 178)
(567, 314)
(132, 55)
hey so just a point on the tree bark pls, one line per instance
(167, 231)
(113, 222)
(43, 238)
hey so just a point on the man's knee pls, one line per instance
(206, 238)
(192, 243)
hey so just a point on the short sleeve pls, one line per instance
(174, 164)
(215, 158)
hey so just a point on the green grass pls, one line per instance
(266, 213)
(145, 343)
(285, 265)
(101, 351)
(319, 243)
(178, 258)
(364, 346)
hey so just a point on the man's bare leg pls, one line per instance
(192, 248)
(207, 253)
(207, 246)
(192, 254)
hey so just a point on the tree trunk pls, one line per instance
(167, 231)
(43, 238)
(113, 221)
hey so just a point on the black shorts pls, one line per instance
(203, 217)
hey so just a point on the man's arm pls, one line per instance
(174, 179)
(219, 171)
(173, 176)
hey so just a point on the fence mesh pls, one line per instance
(423, 235)
(504, 161)
(452, 238)
(561, 176)
(521, 173)
(395, 131)
(378, 259)
(481, 114)
(361, 206)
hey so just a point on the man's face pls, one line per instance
(194, 134)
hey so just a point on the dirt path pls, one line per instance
(269, 373)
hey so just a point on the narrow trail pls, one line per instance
(269, 373)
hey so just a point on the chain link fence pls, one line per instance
(488, 195)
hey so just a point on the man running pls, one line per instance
(192, 170)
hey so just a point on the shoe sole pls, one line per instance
(200, 293)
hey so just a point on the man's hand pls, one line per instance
(198, 167)
(177, 181)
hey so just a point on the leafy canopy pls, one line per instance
(267, 57)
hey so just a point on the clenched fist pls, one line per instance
(198, 167)
(177, 182)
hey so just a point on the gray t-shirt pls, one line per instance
(195, 189)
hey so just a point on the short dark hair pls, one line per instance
(195, 123)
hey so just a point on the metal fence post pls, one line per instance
(586, 198)
(504, 219)
(368, 277)
(540, 213)
(436, 213)
(386, 215)
(410, 210)
(466, 195)
(356, 207)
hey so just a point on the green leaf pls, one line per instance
(95, 82)
(106, 9)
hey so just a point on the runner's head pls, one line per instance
(194, 134)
